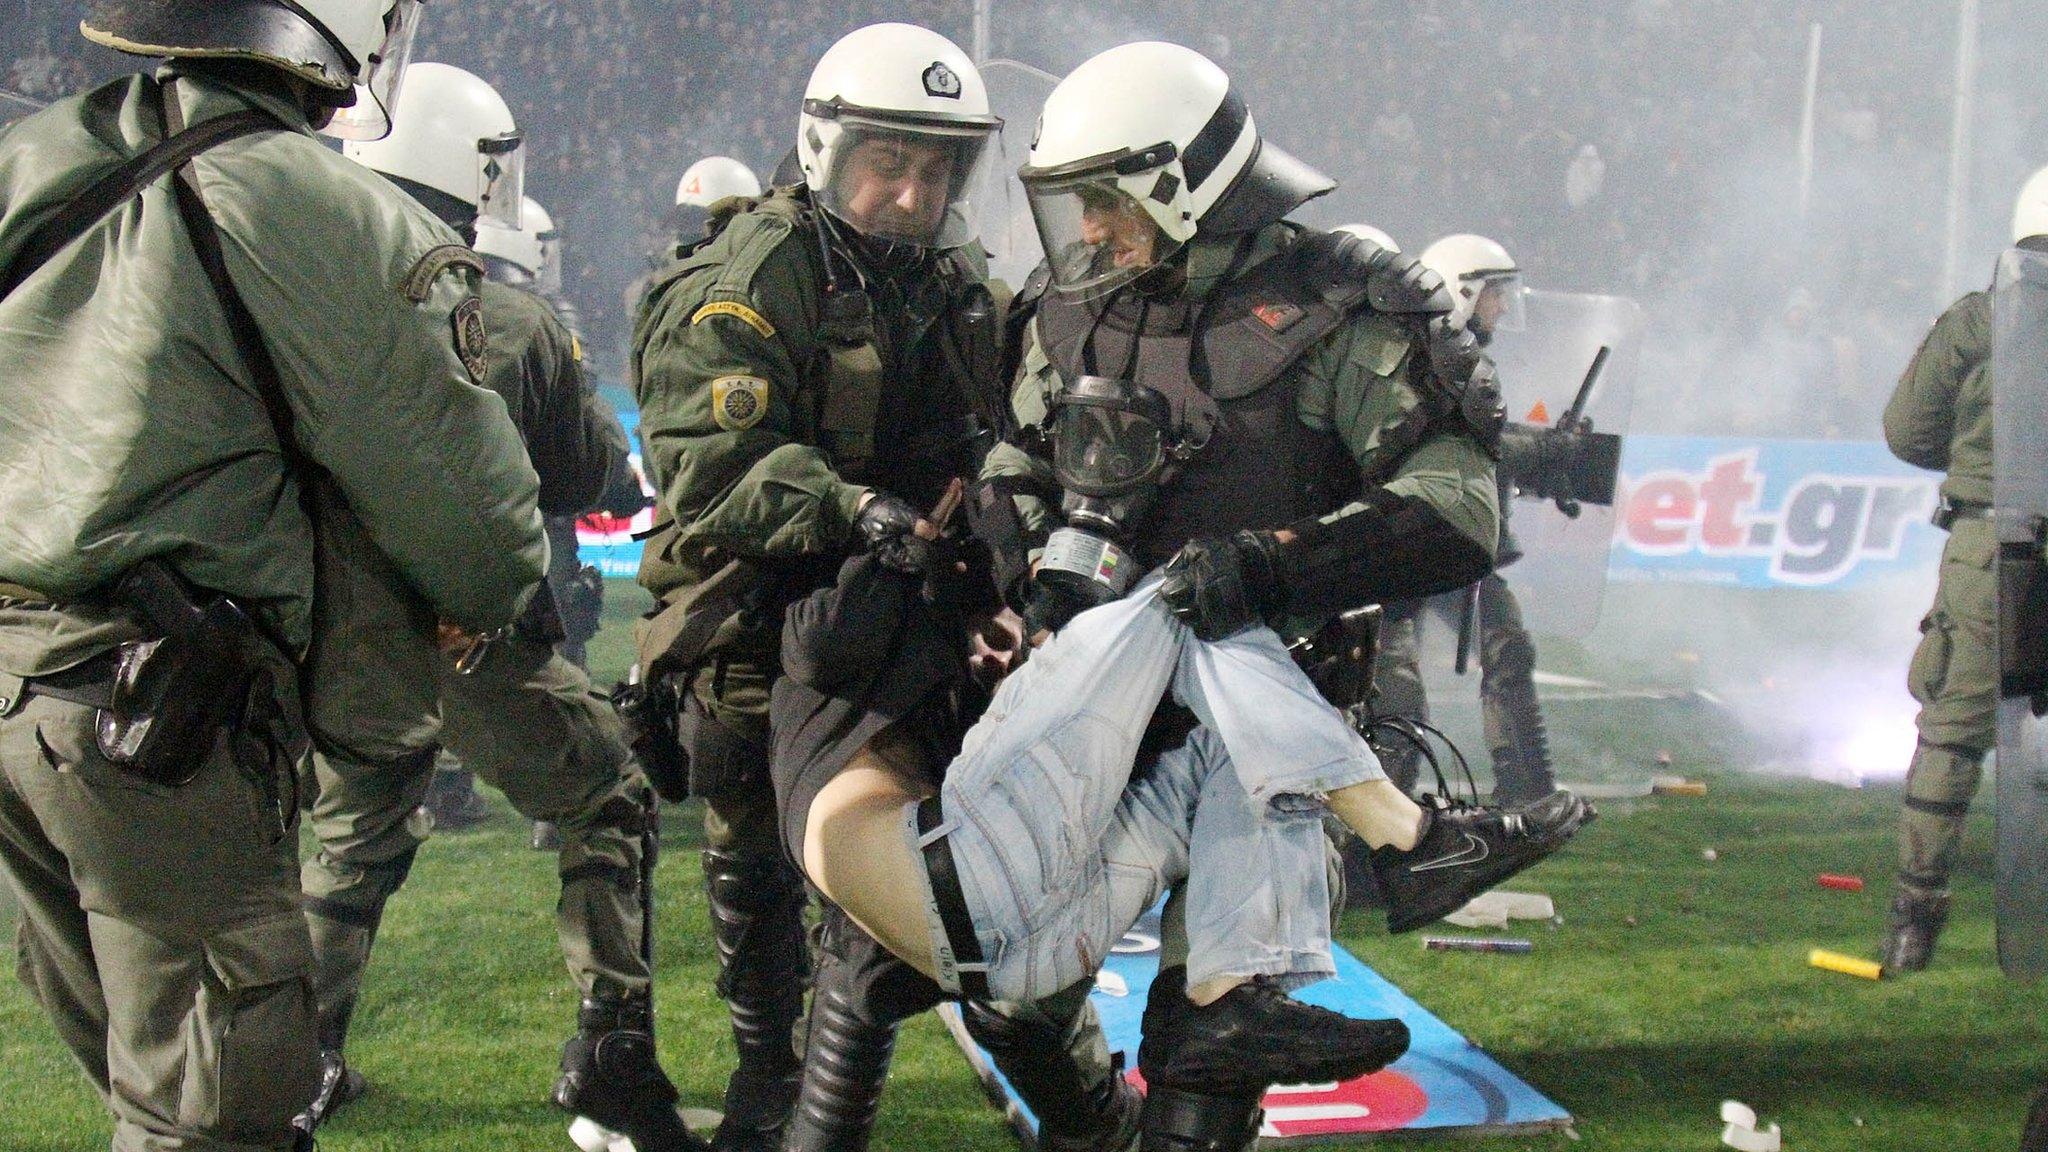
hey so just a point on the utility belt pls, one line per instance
(203, 671)
(1949, 511)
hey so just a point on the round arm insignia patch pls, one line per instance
(738, 402)
(471, 340)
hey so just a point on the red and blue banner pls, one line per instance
(1770, 513)
(1444, 1084)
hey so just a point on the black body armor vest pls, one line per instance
(1229, 387)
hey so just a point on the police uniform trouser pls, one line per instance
(1954, 676)
(160, 931)
(755, 896)
(1508, 706)
(1397, 676)
(381, 697)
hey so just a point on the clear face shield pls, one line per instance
(1097, 237)
(501, 178)
(369, 118)
(549, 279)
(907, 182)
(1500, 306)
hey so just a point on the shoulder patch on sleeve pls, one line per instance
(419, 283)
(472, 340)
(738, 402)
(753, 319)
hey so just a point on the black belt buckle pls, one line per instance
(952, 903)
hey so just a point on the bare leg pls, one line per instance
(855, 853)
(1380, 813)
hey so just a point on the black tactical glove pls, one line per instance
(1219, 587)
(1052, 606)
(888, 528)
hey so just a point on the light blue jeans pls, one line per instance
(1060, 847)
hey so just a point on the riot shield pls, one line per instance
(2019, 384)
(1544, 373)
(1016, 92)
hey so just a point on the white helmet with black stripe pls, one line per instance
(353, 50)
(1485, 282)
(894, 132)
(455, 137)
(1137, 151)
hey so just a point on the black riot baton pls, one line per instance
(1575, 416)
(1468, 612)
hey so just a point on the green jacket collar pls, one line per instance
(211, 90)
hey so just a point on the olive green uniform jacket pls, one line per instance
(130, 428)
(1354, 384)
(1940, 417)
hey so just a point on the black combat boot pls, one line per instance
(339, 1085)
(2034, 1137)
(1466, 849)
(1917, 918)
(846, 1066)
(757, 920)
(453, 803)
(1176, 1119)
(610, 1075)
(1082, 1106)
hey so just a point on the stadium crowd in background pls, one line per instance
(1539, 126)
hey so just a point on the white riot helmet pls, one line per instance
(894, 131)
(705, 183)
(1140, 148)
(1369, 233)
(713, 179)
(453, 134)
(534, 248)
(2030, 215)
(353, 47)
(1473, 266)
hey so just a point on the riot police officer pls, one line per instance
(1290, 417)
(806, 379)
(708, 181)
(1485, 284)
(516, 712)
(1939, 417)
(192, 360)
(529, 258)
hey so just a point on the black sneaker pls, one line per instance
(1256, 1036)
(339, 1085)
(1468, 848)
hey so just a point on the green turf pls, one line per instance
(1674, 982)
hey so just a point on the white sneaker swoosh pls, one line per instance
(1473, 852)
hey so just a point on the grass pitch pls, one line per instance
(1674, 982)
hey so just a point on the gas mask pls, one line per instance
(1112, 452)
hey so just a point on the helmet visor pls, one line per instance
(369, 118)
(501, 178)
(907, 182)
(549, 278)
(1499, 306)
(1097, 236)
